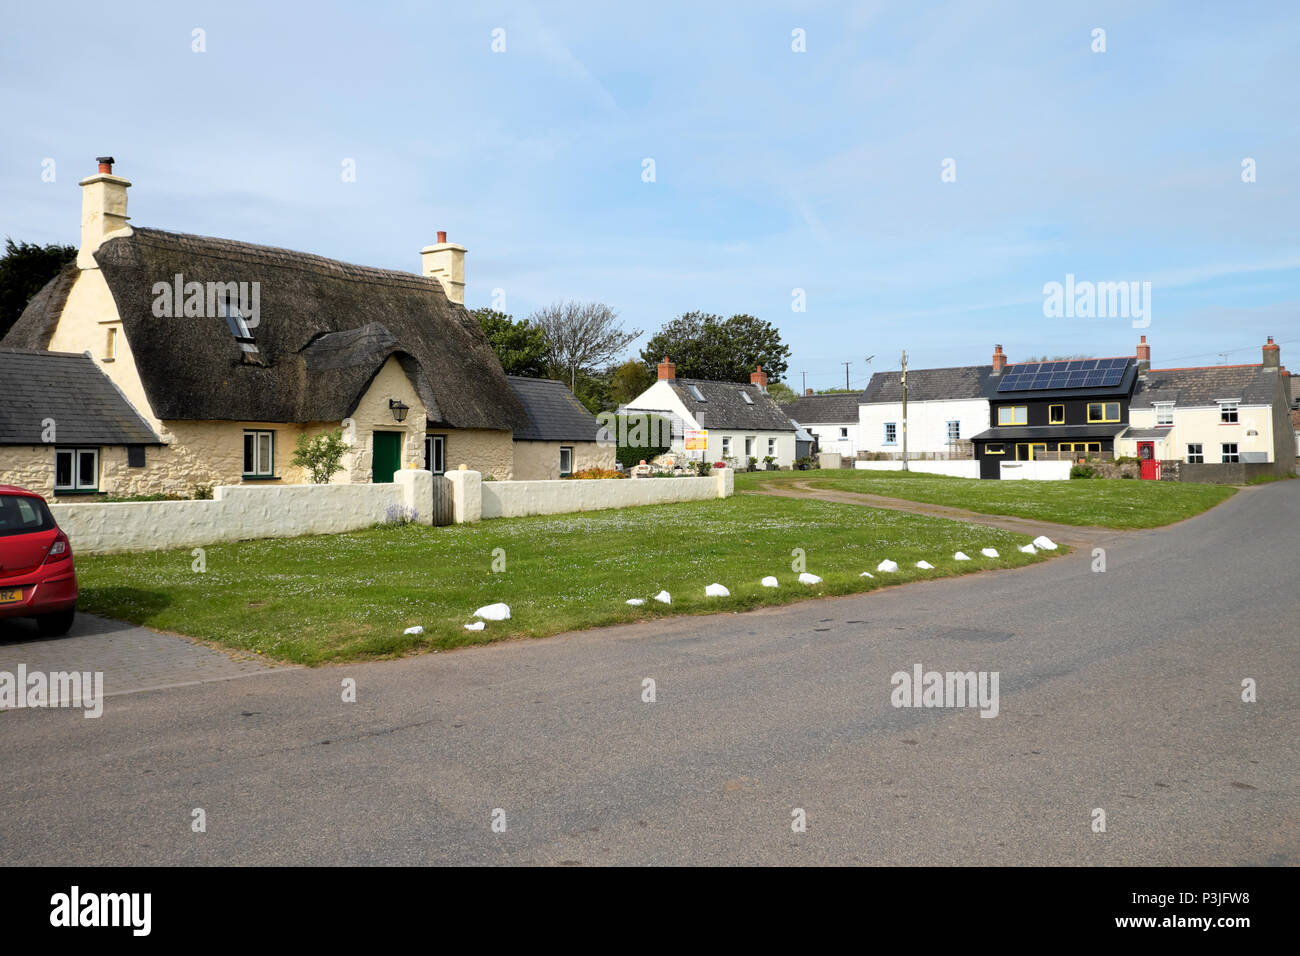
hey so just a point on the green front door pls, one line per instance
(387, 457)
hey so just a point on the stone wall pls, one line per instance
(509, 499)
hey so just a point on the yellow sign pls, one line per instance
(697, 440)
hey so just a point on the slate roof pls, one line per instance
(1049, 432)
(1148, 434)
(825, 409)
(1195, 387)
(325, 329)
(931, 384)
(723, 406)
(86, 406)
(554, 414)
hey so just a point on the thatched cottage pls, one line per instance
(229, 351)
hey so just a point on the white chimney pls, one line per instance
(445, 261)
(103, 210)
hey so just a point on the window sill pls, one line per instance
(64, 492)
(259, 477)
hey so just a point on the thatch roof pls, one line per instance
(325, 330)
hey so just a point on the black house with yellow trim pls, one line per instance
(1068, 408)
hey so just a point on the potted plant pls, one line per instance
(770, 462)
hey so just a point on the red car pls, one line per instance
(37, 578)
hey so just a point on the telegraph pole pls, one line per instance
(805, 384)
(904, 381)
(846, 375)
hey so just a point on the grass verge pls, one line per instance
(349, 596)
(1104, 502)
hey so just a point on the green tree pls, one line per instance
(321, 455)
(629, 380)
(580, 337)
(781, 393)
(24, 268)
(708, 346)
(592, 389)
(520, 346)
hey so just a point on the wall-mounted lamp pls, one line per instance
(398, 409)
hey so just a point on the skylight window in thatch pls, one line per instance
(238, 326)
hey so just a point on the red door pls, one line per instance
(1147, 459)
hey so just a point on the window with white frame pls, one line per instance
(749, 446)
(891, 433)
(1230, 453)
(954, 431)
(566, 461)
(726, 446)
(1165, 413)
(259, 454)
(844, 433)
(76, 469)
(1195, 453)
(1228, 413)
(771, 447)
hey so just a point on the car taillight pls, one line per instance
(60, 550)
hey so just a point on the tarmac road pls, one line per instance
(1118, 690)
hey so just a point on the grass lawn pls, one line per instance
(1110, 503)
(339, 597)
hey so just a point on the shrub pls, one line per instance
(648, 433)
(588, 474)
(1082, 471)
(320, 455)
(202, 492)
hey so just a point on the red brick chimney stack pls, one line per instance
(999, 360)
(667, 370)
(758, 377)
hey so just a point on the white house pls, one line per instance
(741, 421)
(945, 407)
(832, 419)
(1214, 419)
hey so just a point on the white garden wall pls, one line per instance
(513, 499)
(237, 513)
(1036, 470)
(956, 468)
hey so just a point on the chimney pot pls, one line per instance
(807, 391)
(442, 235)
(105, 163)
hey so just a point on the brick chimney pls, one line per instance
(1272, 354)
(758, 377)
(445, 261)
(1143, 356)
(807, 391)
(103, 210)
(667, 370)
(999, 360)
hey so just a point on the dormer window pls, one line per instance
(1165, 413)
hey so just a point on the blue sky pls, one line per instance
(774, 170)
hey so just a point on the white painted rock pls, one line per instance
(663, 597)
(476, 626)
(770, 582)
(1045, 543)
(806, 578)
(961, 556)
(887, 565)
(1028, 549)
(866, 574)
(990, 552)
(635, 602)
(716, 590)
(494, 612)
(925, 565)
(414, 630)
